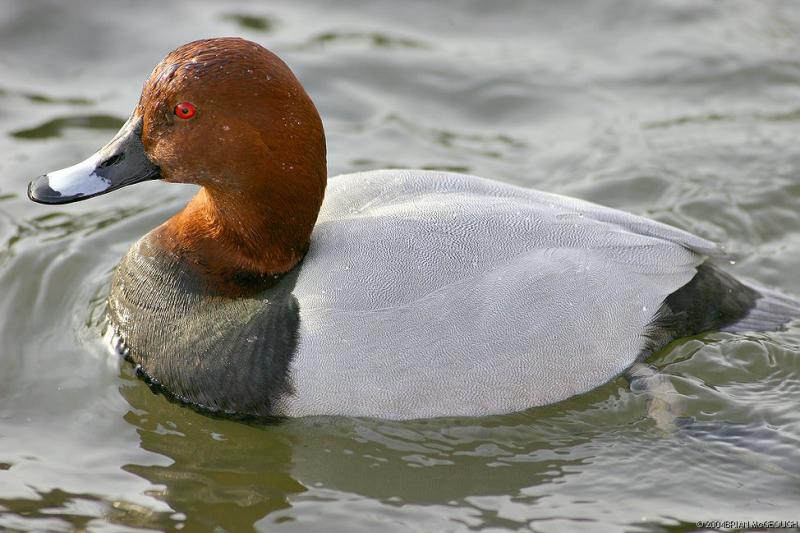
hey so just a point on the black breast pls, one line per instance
(216, 351)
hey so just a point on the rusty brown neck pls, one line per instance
(236, 237)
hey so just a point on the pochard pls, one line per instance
(390, 293)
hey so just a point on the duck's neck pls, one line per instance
(231, 237)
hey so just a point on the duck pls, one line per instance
(396, 294)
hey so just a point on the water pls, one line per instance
(687, 111)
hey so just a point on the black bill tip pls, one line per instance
(39, 191)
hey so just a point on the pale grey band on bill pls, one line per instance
(79, 179)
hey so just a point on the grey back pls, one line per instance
(430, 293)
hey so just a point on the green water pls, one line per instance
(687, 111)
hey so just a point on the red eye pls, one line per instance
(185, 110)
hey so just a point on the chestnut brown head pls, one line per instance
(222, 113)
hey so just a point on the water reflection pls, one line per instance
(252, 22)
(789, 115)
(430, 461)
(56, 126)
(58, 510)
(372, 39)
(39, 98)
(236, 474)
(222, 473)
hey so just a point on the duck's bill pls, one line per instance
(119, 163)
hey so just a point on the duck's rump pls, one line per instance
(428, 294)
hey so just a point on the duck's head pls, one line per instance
(228, 115)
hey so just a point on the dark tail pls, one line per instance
(772, 311)
(715, 300)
